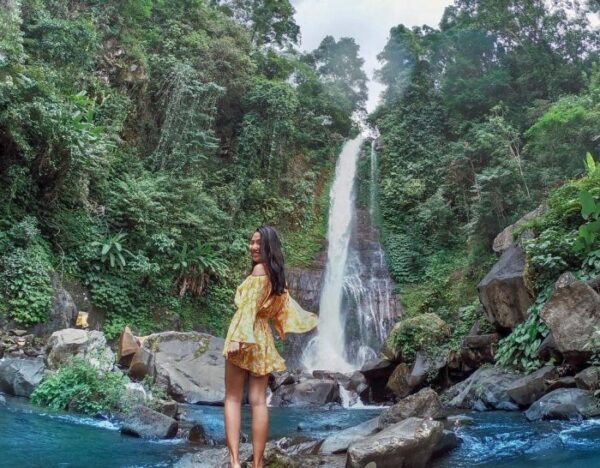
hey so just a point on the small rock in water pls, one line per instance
(460, 420)
(301, 427)
(2, 400)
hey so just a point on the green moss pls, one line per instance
(420, 333)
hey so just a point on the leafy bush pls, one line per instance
(519, 350)
(420, 333)
(79, 386)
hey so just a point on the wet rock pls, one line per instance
(197, 435)
(572, 313)
(142, 364)
(485, 389)
(447, 443)
(2, 400)
(424, 404)
(503, 291)
(308, 392)
(460, 420)
(377, 372)
(358, 384)
(338, 442)
(533, 386)
(189, 366)
(148, 424)
(281, 378)
(212, 457)
(564, 403)
(20, 375)
(63, 345)
(588, 379)
(410, 443)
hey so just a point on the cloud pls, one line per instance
(367, 21)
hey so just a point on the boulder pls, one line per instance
(142, 364)
(532, 387)
(485, 389)
(213, 457)
(505, 239)
(589, 378)
(377, 373)
(62, 313)
(478, 349)
(128, 346)
(424, 404)
(91, 345)
(281, 378)
(572, 314)
(189, 366)
(564, 403)
(503, 291)
(308, 392)
(447, 443)
(148, 424)
(339, 441)
(562, 382)
(548, 350)
(358, 384)
(410, 443)
(398, 381)
(424, 368)
(197, 435)
(20, 375)
(136, 393)
(167, 407)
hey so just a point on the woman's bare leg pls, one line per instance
(257, 394)
(234, 390)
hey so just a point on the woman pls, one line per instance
(249, 346)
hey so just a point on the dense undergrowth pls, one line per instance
(141, 142)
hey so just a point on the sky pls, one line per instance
(367, 21)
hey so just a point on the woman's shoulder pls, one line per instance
(259, 270)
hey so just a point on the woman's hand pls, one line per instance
(233, 348)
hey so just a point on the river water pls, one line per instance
(35, 437)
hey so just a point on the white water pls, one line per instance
(327, 348)
(373, 185)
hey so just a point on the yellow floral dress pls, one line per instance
(250, 325)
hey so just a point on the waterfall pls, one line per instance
(357, 306)
(327, 348)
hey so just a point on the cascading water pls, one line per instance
(357, 304)
(327, 348)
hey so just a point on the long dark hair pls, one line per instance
(272, 257)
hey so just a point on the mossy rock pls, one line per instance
(418, 333)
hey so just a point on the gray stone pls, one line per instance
(478, 349)
(564, 403)
(487, 385)
(62, 313)
(572, 313)
(189, 366)
(148, 424)
(308, 392)
(447, 443)
(424, 404)
(20, 375)
(506, 238)
(503, 291)
(410, 443)
(63, 345)
(211, 458)
(532, 387)
(588, 379)
(339, 441)
(424, 368)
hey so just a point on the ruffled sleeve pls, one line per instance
(241, 328)
(294, 319)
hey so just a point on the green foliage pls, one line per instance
(81, 387)
(25, 267)
(419, 333)
(519, 350)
